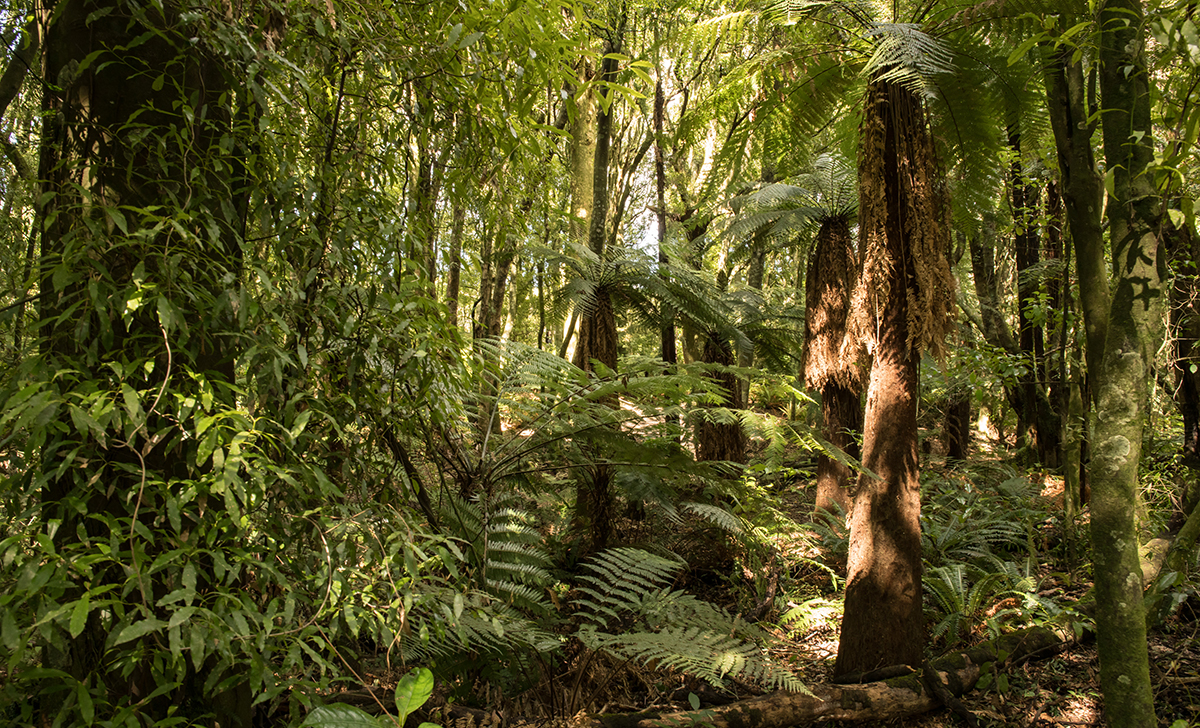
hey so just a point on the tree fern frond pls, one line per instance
(905, 54)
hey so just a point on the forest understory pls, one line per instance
(1056, 686)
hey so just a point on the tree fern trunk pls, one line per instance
(830, 362)
(907, 291)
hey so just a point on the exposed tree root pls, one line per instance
(897, 697)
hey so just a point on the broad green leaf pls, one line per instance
(339, 715)
(138, 629)
(412, 691)
(9, 632)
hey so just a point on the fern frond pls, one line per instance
(905, 54)
(696, 651)
(715, 515)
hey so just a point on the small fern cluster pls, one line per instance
(970, 535)
(627, 608)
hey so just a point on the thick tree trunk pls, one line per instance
(909, 291)
(98, 175)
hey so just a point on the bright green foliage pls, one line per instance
(412, 691)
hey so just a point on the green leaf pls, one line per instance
(138, 629)
(133, 405)
(86, 709)
(301, 421)
(339, 715)
(412, 691)
(79, 616)
(9, 632)
(694, 701)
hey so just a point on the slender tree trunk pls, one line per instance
(1120, 366)
(454, 262)
(597, 325)
(1062, 313)
(1184, 249)
(667, 348)
(1023, 201)
(583, 157)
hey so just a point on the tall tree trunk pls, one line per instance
(1120, 365)
(454, 262)
(1183, 247)
(1037, 423)
(598, 324)
(96, 177)
(1058, 290)
(667, 349)
(1026, 245)
(831, 364)
(1082, 196)
(906, 290)
(583, 156)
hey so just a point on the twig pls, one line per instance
(1037, 714)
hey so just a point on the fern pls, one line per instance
(903, 53)
(992, 595)
(629, 611)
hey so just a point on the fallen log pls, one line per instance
(897, 697)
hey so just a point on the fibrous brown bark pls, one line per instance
(717, 440)
(832, 364)
(906, 294)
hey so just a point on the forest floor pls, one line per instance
(1061, 690)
